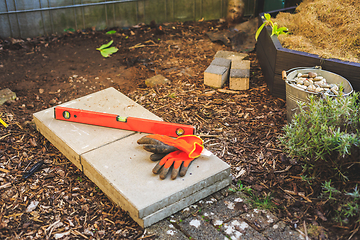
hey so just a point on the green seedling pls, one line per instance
(268, 22)
(328, 189)
(241, 188)
(111, 32)
(79, 179)
(172, 95)
(307, 179)
(106, 50)
(263, 202)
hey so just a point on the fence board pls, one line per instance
(29, 18)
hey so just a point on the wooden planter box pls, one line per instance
(273, 59)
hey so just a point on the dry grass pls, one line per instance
(327, 28)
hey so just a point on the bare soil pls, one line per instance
(241, 128)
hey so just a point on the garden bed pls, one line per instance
(274, 58)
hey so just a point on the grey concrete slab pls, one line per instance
(74, 139)
(113, 160)
(185, 201)
(124, 167)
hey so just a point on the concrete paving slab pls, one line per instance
(113, 160)
(74, 139)
(124, 167)
(216, 76)
(194, 208)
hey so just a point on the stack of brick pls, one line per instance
(226, 62)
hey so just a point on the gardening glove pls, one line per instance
(178, 153)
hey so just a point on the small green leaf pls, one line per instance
(282, 29)
(274, 29)
(111, 32)
(108, 51)
(267, 16)
(105, 45)
(259, 31)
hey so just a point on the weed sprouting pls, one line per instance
(275, 30)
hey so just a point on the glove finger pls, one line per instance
(147, 140)
(159, 148)
(175, 171)
(157, 156)
(157, 168)
(164, 172)
(184, 168)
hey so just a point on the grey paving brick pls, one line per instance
(261, 219)
(216, 76)
(222, 62)
(239, 73)
(197, 228)
(164, 230)
(224, 210)
(243, 64)
(239, 229)
(281, 231)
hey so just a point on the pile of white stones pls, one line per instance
(313, 82)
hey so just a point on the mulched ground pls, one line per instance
(241, 128)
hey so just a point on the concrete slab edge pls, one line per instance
(185, 202)
(69, 153)
(223, 174)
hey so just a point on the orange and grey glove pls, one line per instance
(179, 152)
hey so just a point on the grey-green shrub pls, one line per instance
(324, 135)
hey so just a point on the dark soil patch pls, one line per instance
(241, 129)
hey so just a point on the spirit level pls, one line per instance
(125, 123)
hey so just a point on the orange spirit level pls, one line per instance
(125, 123)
